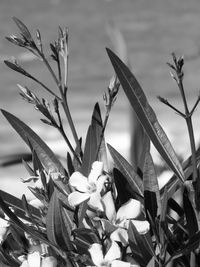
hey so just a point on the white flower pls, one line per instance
(3, 228)
(119, 221)
(88, 188)
(34, 259)
(111, 258)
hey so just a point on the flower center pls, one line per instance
(105, 263)
(92, 188)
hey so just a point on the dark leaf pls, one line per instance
(70, 164)
(151, 190)
(28, 168)
(16, 67)
(172, 204)
(140, 142)
(78, 151)
(35, 234)
(146, 114)
(87, 236)
(7, 259)
(17, 205)
(192, 224)
(58, 223)
(144, 245)
(190, 246)
(45, 154)
(128, 171)
(93, 139)
(123, 190)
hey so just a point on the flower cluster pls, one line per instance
(113, 225)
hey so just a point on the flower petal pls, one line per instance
(34, 259)
(141, 226)
(113, 253)
(3, 231)
(95, 201)
(100, 182)
(75, 198)
(49, 262)
(79, 181)
(120, 235)
(24, 264)
(118, 263)
(109, 206)
(96, 254)
(4, 223)
(130, 210)
(96, 171)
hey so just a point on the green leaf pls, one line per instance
(174, 184)
(34, 233)
(140, 142)
(89, 152)
(123, 190)
(146, 114)
(190, 246)
(162, 222)
(144, 246)
(128, 171)
(59, 223)
(93, 140)
(17, 205)
(7, 259)
(70, 164)
(44, 153)
(192, 224)
(151, 190)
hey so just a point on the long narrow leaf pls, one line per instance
(45, 154)
(146, 114)
(192, 224)
(58, 228)
(93, 139)
(17, 204)
(151, 189)
(128, 171)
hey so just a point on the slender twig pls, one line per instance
(45, 87)
(188, 119)
(195, 105)
(61, 130)
(165, 101)
(63, 101)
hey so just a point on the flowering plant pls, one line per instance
(87, 213)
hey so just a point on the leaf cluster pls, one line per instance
(68, 232)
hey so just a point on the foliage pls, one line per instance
(85, 214)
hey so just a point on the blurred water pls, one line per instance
(152, 29)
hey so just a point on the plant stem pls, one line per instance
(188, 118)
(61, 130)
(45, 87)
(63, 101)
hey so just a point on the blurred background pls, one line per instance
(152, 30)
